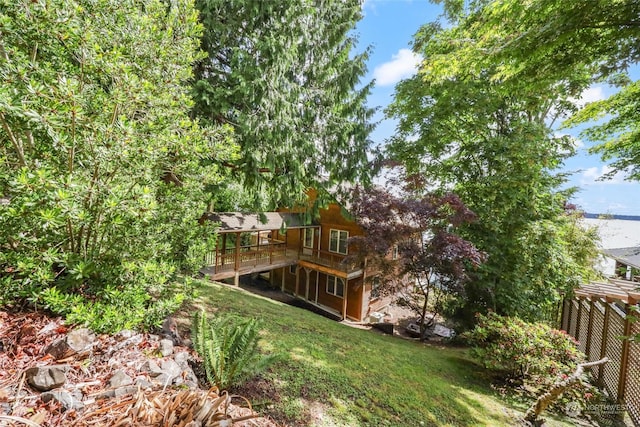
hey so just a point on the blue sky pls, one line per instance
(388, 26)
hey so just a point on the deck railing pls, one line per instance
(248, 256)
(329, 259)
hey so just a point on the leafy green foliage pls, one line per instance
(532, 356)
(557, 48)
(522, 350)
(228, 346)
(460, 130)
(102, 172)
(284, 75)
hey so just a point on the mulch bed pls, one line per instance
(23, 337)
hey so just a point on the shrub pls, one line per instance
(521, 350)
(228, 346)
(106, 175)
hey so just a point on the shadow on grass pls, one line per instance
(336, 375)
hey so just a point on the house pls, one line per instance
(627, 262)
(303, 257)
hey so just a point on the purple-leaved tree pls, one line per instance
(415, 239)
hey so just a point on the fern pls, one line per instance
(228, 346)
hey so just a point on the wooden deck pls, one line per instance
(227, 263)
(330, 263)
(223, 264)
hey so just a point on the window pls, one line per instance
(375, 287)
(335, 286)
(292, 269)
(338, 241)
(308, 238)
(394, 252)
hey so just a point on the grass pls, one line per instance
(334, 375)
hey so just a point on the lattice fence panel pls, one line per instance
(632, 389)
(565, 314)
(597, 330)
(574, 318)
(614, 351)
(584, 325)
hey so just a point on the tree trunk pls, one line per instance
(556, 390)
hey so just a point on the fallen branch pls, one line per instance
(556, 390)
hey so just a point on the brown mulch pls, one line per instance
(23, 337)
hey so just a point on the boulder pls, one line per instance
(66, 399)
(45, 378)
(76, 341)
(171, 368)
(120, 379)
(166, 347)
(150, 367)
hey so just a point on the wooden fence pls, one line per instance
(600, 325)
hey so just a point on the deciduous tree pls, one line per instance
(494, 148)
(429, 252)
(554, 47)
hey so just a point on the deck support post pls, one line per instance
(284, 271)
(236, 279)
(306, 290)
(344, 300)
(237, 254)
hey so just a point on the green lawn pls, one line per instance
(335, 375)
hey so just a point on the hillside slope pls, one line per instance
(334, 375)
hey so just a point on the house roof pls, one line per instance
(627, 256)
(238, 221)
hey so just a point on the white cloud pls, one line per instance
(593, 175)
(592, 94)
(402, 65)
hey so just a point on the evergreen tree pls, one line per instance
(284, 75)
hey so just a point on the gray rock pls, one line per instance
(151, 368)
(76, 341)
(68, 400)
(120, 379)
(163, 379)
(45, 378)
(143, 383)
(106, 394)
(129, 342)
(124, 334)
(171, 368)
(123, 391)
(182, 358)
(166, 347)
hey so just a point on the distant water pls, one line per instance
(614, 233)
(610, 216)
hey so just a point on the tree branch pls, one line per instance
(557, 389)
(16, 143)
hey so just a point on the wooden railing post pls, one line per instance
(587, 349)
(605, 339)
(624, 360)
(270, 252)
(237, 253)
(578, 319)
(569, 317)
(224, 248)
